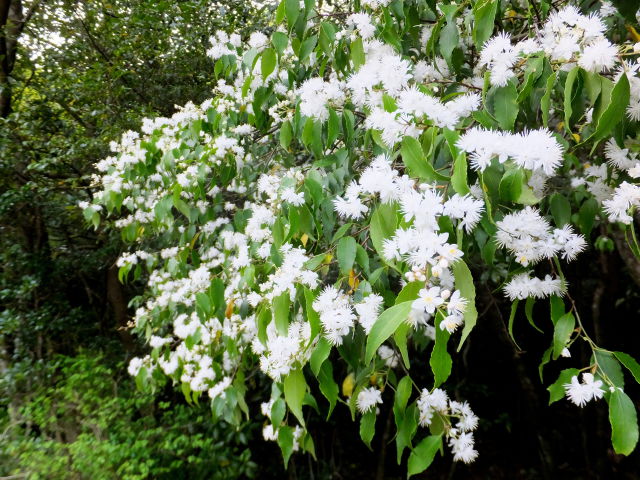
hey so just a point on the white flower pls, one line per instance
(429, 300)
(289, 195)
(350, 207)
(368, 310)
(388, 356)
(368, 398)
(582, 393)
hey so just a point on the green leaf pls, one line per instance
(569, 96)
(407, 426)
(285, 441)
(409, 292)
(546, 357)
(278, 410)
(403, 392)
(291, 10)
(630, 364)
(512, 316)
(382, 226)
(341, 232)
(281, 313)
(328, 387)
(560, 209)
(464, 283)
(459, 177)
(295, 386)
(400, 337)
(546, 98)
(562, 333)
(557, 308)
(484, 14)
(587, 216)
(327, 36)
(319, 355)
(307, 47)
(422, 456)
(556, 389)
(628, 9)
(449, 39)
(528, 310)
(416, 162)
(312, 316)
(357, 54)
(440, 360)
(285, 135)
(535, 67)
(511, 184)
(280, 40)
(368, 427)
(609, 366)
(614, 112)
(346, 253)
(268, 63)
(624, 422)
(385, 326)
(333, 127)
(503, 101)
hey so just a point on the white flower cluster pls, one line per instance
(523, 286)
(533, 150)
(572, 37)
(281, 354)
(622, 158)
(567, 36)
(316, 95)
(625, 197)
(582, 393)
(596, 179)
(631, 69)
(337, 316)
(460, 436)
(529, 236)
(388, 355)
(434, 298)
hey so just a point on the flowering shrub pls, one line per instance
(329, 204)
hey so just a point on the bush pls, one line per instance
(359, 180)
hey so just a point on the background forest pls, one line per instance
(75, 75)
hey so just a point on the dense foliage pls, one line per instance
(337, 142)
(361, 173)
(83, 73)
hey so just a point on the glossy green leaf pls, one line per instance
(281, 313)
(268, 62)
(368, 427)
(614, 112)
(295, 386)
(562, 333)
(385, 326)
(440, 360)
(423, 454)
(346, 253)
(504, 104)
(624, 422)
(484, 14)
(560, 209)
(630, 364)
(464, 283)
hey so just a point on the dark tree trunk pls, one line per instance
(12, 22)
